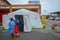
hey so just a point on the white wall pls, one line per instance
(15, 2)
(20, 1)
(49, 6)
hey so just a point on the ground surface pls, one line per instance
(34, 35)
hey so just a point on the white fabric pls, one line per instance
(31, 19)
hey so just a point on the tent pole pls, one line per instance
(10, 8)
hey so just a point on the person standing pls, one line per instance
(16, 30)
(11, 27)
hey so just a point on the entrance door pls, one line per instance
(20, 22)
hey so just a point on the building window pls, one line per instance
(34, 2)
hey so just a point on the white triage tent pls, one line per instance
(31, 19)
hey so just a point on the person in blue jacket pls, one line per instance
(11, 27)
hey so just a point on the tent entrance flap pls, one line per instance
(20, 21)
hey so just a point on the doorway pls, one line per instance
(20, 22)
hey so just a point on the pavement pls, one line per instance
(36, 34)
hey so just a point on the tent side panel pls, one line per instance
(5, 21)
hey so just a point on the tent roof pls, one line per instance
(23, 11)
